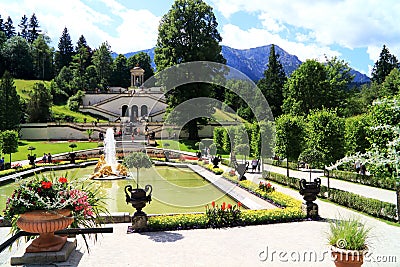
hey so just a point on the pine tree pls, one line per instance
(87, 52)
(65, 51)
(384, 65)
(10, 111)
(33, 29)
(9, 28)
(271, 85)
(23, 25)
(1, 25)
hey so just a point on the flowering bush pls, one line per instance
(50, 193)
(223, 216)
(266, 187)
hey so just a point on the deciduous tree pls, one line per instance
(10, 142)
(18, 57)
(188, 32)
(142, 60)
(39, 105)
(306, 89)
(102, 61)
(120, 73)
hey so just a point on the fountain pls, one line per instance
(107, 167)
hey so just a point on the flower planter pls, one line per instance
(347, 258)
(45, 223)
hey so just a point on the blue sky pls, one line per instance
(353, 30)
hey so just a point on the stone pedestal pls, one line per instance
(139, 222)
(311, 209)
(45, 257)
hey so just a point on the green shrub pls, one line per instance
(348, 234)
(373, 207)
(385, 182)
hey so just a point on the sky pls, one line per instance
(352, 30)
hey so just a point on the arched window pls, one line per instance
(143, 111)
(124, 111)
(134, 113)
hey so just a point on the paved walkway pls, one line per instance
(286, 244)
(363, 190)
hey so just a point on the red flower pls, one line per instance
(62, 180)
(223, 206)
(269, 185)
(213, 204)
(239, 204)
(46, 185)
(229, 206)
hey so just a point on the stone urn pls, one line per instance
(45, 223)
(309, 191)
(138, 198)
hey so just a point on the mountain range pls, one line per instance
(253, 62)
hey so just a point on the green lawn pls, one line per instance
(46, 147)
(220, 115)
(24, 87)
(62, 111)
(183, 145)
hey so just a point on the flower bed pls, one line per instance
(210, 167)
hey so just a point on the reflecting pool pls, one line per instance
(175, 190)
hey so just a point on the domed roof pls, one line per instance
(137, 70)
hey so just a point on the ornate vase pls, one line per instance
(138, 198)
(45, 223)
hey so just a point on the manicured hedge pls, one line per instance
(279, 163)
(380, 182)
(373, 207)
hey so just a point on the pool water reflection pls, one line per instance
(175, 190)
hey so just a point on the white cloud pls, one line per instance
(134, 29)
(138, 31)
(347, 23)
(242, 39)
(270, 23)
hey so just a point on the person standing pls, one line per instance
(49, 159)
(357, 166)
(44, 158)
(254, 164)
(2, 163)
